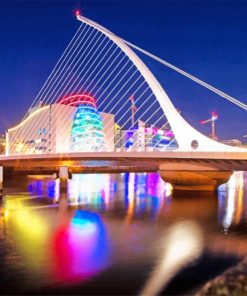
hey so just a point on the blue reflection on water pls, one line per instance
(52, 188)
(41, 186)
(80, 248)
(36, 187)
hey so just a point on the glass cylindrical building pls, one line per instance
(87, 129)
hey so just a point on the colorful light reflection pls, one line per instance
(144, 193)
(80, 248)
(31, 230)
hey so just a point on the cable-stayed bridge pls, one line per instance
(102, 106)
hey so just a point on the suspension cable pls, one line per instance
(186, 74)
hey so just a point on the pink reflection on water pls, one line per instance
(79, 248)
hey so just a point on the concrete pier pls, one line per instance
(193, 177)
(63, 176)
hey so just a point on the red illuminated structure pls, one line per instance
(77, 100)
(212, 119)
(77, 12)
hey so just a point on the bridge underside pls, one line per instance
(203, 171)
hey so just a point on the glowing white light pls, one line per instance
(182, 244)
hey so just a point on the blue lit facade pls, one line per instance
(87, 128)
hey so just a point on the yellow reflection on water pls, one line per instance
(30, 230)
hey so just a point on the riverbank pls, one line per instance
(232, 282)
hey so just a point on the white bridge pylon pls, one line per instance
(185, 134)
(101, 97)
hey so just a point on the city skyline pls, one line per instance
(30, 53)
(123, 147)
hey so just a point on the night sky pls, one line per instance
(205, 38)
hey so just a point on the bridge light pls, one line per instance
(77, 12)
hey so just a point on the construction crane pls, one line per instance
(212, 119)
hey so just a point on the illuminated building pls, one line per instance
(117, 136)
(2, 144)
(87, 128)
(143, 138)
(55, 129)
(74, 124)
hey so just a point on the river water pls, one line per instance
(117, 234)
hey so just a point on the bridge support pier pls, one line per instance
(193, 178)
(63, 176)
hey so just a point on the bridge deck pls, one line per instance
(212, 160)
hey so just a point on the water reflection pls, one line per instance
(143, 193)
(72, 244)
(232, 201)
(109, 225)
(79, 248)
(64, 233)
(43, 185)
(30, 232)
(137, 195)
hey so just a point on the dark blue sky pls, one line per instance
(206, 38)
